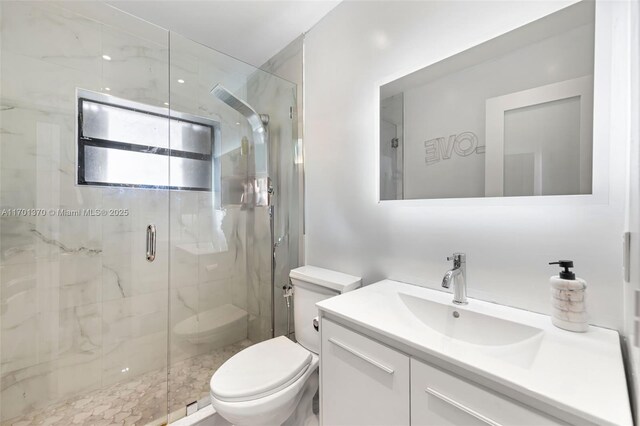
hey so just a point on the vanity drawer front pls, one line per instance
(362, 381)
(440, 398)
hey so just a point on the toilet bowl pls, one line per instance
(267, 394)
(263, 384)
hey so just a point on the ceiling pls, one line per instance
(250, 30)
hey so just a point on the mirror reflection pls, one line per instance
(510, 117)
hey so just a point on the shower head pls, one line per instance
(256, 121)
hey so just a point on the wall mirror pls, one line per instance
(510, 117)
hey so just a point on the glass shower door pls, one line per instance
(83, 332)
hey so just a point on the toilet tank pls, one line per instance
(311, 285)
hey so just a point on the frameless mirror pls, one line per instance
(510, 117)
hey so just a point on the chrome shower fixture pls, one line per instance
(257, 121)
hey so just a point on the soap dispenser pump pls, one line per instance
(566, 264)
(568, 297)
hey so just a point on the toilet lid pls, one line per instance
(260, 370)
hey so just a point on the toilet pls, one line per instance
(264, 384)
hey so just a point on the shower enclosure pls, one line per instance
(146, 229)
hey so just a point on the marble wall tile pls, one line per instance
(69, 383)
(17, 244)
(81, 293)
(117, 272)
(20, 344)
(215, 266)
(28, 388)
(184, 267)
(212, 294)
(67, 340)
(128, 359)
(52, 34)
(183, 304)
(26, 86)
(78, 268)
(79, 331)
(137, 69)
(133, 317)
(47, 319)
(239, 282)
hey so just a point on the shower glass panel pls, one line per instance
(109, 126)
(83, 332)
(220, 269)
(276, 97)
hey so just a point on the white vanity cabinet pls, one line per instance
(363, 382)
(441, 398)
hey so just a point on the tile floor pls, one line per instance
(140, 401)
(189, 379)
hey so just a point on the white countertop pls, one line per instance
(580, 373)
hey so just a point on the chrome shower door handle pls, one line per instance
(151, 243)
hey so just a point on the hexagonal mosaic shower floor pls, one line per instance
(141, 401)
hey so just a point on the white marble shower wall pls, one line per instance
(80, 306)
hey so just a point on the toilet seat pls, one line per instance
(260, 370)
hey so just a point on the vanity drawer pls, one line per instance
(440, 398)
(362, 382)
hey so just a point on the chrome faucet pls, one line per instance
(459, 276)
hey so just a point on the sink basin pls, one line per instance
(468, 326)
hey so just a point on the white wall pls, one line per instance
(508, 241)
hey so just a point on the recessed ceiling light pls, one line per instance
(237, 123)
(180, 81)
(107, 89)
(166, 103)
(106, 57)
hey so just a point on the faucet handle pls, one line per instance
(457, 257)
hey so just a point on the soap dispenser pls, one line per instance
(568, 297)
